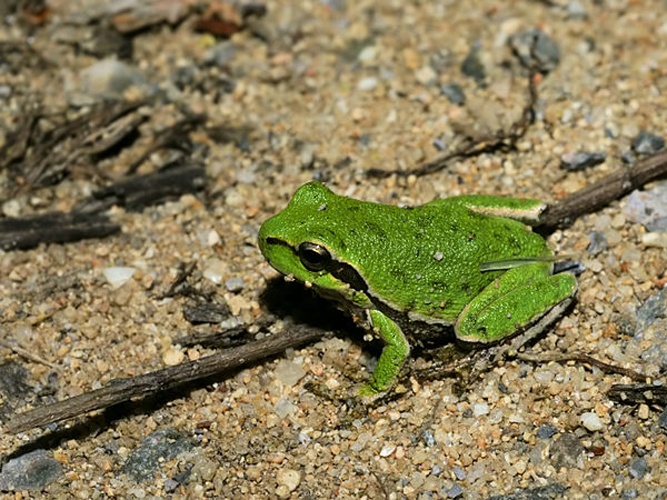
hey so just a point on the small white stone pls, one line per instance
(118, 276)
(368, 83)
(285, 408)
(426, 75)
(368, 54)
(656, 240)
(289, 478)
(591, 421)
(11, 208)
(215, 270)
(173, 357)
(288, 372)
(387, 450)
(213, 238)
(479, 409)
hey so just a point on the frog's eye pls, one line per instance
(314, 257)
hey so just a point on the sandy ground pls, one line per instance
(327, 90)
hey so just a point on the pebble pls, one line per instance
(576, 10)
(170, 485)
(158, 447)
(566, 451)
(426, 75)
(479, 409)
(638, 468)
(221, 54)
(647, 143)
(368, 54)
(173, 357)
(387, 450)
(289, 478)
(214, 270)
(11, 208)
(597, 242)
(367, 83)
(581, 160)
(536, 49)
(459, 473)
(429, 439)
(656, 240)
(110, 78)
(118, 276)
(643, 412)
(546, 431)
(650, 336)
(13, 382)
(203, 468)
(648, 207)
(285, 407)
(473, 66)
(455, 491)
(32, 471)
(288, 372)
(454, 93)
(662, 419)
(591, 421)
(234, 284)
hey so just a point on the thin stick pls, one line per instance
(582, 358)
(122, 390)
(27, 354)
(602, 193)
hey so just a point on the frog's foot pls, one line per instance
(529, 335)
(368, 396)
(487, 359)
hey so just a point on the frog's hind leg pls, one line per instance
(526, 298)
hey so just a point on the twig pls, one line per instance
(27, 354)
(139, 191)
(122, 390)
(582, 358)
(603, 192)
(54, 227)
(638, 393)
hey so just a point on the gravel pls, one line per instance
(327, 90)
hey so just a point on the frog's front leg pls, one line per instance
(394, 353)
(513, 302)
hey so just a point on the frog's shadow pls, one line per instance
(292, 299)
(283, 299)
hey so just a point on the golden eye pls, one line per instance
(314, 257)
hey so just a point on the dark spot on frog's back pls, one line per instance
(515, 243)
(375, 230)
(424, 221)
(439, 286)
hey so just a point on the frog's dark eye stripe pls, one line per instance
(348, 274)
(314, 257)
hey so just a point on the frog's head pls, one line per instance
(302, 243)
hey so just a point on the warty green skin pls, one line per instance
(416, 271)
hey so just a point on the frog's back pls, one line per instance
(426, 259)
